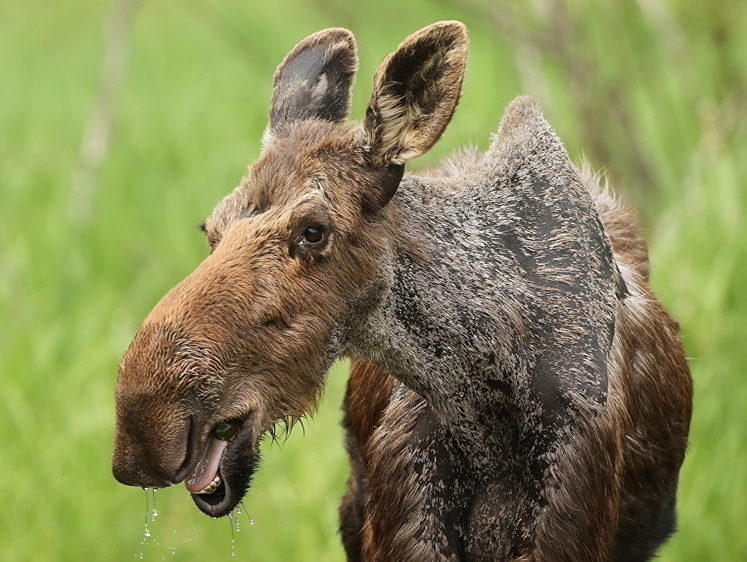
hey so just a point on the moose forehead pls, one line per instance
(308, 160)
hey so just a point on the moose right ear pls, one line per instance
(416, 90)
(313, 82)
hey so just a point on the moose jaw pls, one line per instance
(517, 390)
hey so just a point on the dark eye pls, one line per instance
(310, 240)
(314, 234)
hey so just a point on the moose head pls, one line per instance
(299, 253)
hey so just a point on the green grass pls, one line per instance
(656, 99)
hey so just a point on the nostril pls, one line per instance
(125, 472)
(152, 444)
(132, 466)
(129, 475)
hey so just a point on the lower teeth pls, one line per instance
(211, 487)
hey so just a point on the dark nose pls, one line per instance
(152, 440)
(146, 457)
(132, 467)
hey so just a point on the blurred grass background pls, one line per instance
(654, 93)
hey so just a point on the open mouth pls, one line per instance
(223, 473)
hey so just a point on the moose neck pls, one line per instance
(438, 329)
(483, 317)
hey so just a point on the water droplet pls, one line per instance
(150, 516)
(154, 511)
(234, 529)
(146, 530)
(242, 509)
(236, 526)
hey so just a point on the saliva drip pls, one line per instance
(234, 518)
(150, 516)
(153, 511)
(146, 530)
(241, 509)
(235, 528)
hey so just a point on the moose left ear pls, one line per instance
(416, 90)
(313, 81)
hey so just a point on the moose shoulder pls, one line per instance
(517, 393)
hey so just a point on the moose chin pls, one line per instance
(517, 391)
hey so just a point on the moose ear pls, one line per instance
(416, 90)
(313, 82)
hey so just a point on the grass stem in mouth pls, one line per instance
(226, 430)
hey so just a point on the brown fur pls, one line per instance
(368, 394)
(518, 392)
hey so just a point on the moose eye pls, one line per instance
(226, 431)
(310, 240)
(314, 234)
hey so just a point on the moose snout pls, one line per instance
(149, 463)
(150, 451)
(132, 468)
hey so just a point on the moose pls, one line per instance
(517, 391)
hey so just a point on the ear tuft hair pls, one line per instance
(416, 90)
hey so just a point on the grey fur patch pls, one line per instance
(506, 325)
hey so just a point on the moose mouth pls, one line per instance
(224, 471)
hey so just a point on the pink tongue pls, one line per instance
(207, 469)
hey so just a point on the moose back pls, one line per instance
(517, 391)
